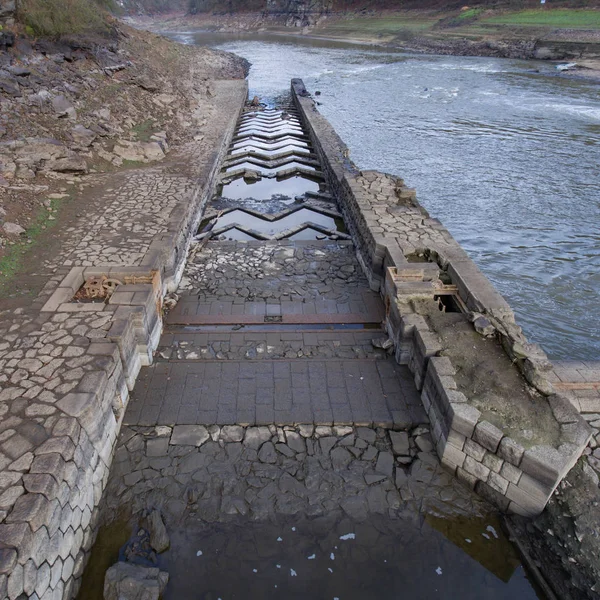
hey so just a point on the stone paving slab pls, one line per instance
(323, 392)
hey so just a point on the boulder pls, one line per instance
(62, 107)
(9, 85)
(69, 164)
(124, 581)
(13, 229)
(159, 538)
(138, 151)
(40, 149)
(82, 136)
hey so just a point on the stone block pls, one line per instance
(511, 473)
(544, 463)
(492, 462)
(31, 508)
(456, 439)
(474, 450)
(488, 435)
(41, 483)
(511, 451)
(492, 494)
(463, 418)
(498, 483)
(476, 468)
(523, 503)
(189, 435)
(466, 478)
(450, 455)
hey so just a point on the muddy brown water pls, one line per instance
(504, 152)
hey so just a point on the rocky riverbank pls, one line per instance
(413, 31)
(88, 105)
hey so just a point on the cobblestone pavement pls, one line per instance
(248, 342)
(324, 392)
(61, 374)
(213, 473)
(282, 277)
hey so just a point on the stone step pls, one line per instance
(269, 343)
(333, 392)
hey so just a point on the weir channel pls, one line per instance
(287, 432)
(336, 403)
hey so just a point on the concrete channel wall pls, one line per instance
(390, 229)
(55, 464)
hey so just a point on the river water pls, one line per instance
(506, 157)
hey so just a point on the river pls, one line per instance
(504, 152)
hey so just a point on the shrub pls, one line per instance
(54, 18)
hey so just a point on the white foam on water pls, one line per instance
(332, 556)
(199, 553)
(293, 573)
(312, 557)
(439, 570)
(348, 536)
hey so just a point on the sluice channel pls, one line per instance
(275, 448)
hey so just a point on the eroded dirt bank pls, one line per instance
(74, 109)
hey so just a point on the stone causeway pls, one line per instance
(338, 363)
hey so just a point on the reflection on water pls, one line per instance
(505, 157)
(265, 189)
(381, 558)
(294, 219)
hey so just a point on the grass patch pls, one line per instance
(12, 261)
(54, 18)
(559, 18)
(378, 26)
(144, 131)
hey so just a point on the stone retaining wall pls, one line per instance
(410, 257)
(67, 370)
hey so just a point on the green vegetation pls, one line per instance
(54, 18)
(143, 131)
(559, 18)
(12, 261)
(393, 25)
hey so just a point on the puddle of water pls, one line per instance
(280, 143)
(265, 189)
(308, 233)
(271, 152)
(294, 219)
(105, 553)
(329, 558)
(294, 164)
(235, 234)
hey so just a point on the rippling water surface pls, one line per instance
(507, 158)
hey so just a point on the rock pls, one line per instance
(63, 108)
(484, 327)
(340, 458)
(159, 538)
(124, 581)
(424, 443)
(138, 151)
(295, 442)
(70, 164)
(9, 86)
(256, 436)
(367, 434)
(385, 463)
(13, 229)
(384, 343)
(267, 453)
(232, 433)
(400, 443)
(189, 435)
(82, 136)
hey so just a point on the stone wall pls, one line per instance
(67, 369)
(411, 258)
